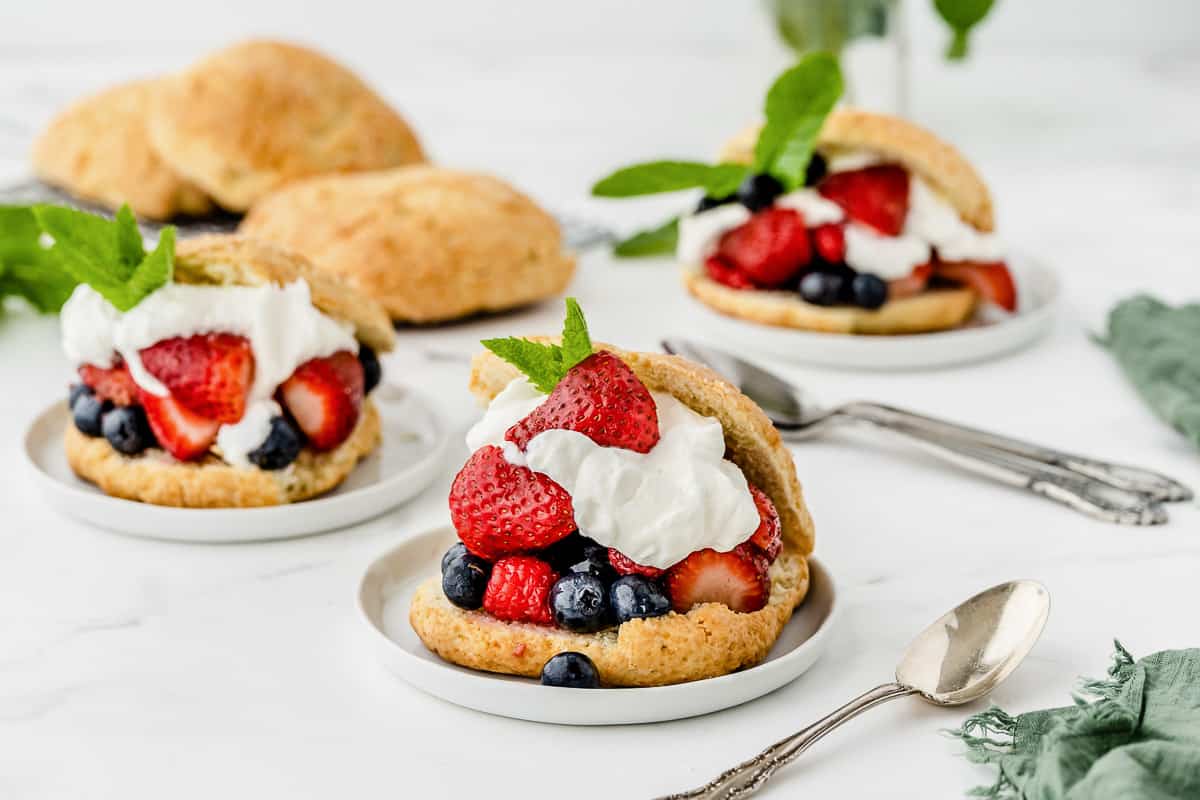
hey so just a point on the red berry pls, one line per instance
(913, 283)
(992, 280)
(737, 578)
(768, 537)
(770, 248)
(208, 373)
(499, 509)
(876, 196)
(179, 431)
(624, 565)
(519, 590)
(830, 242)
(726, 275)
(325, 396)
(601, 398)
(115, 383)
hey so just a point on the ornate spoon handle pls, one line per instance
(748, 777)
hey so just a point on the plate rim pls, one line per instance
(817, 641)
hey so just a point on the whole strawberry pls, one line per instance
(770, 248)
(208, 373)
(499, 509)
(601, 398)
(519, 590)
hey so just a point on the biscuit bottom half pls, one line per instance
(154, 477)
(708, 641)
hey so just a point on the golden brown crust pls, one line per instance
(708, 641)
(229, 260)
(98, 150)
(919, 150)
(430, 244)
(154, 477)
(931, 310)
(249, 118)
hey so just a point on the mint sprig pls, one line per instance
(961, 16)
(655, 177)
(658, 241)
(26, 267)
(546, 364)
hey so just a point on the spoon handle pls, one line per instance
(748, 777)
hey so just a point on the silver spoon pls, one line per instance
(959, 658)
(1112, 492)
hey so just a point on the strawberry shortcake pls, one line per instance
(243, 380)
(625, 519)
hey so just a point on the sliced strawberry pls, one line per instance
(519, 590)
(830, 242)
(913, 283)
(624, 565)
(209, 373)
(768, 537)
(115, 383)
(770, 248)
(992, 280)
(876, 196)
(737, 578)
(499, 509)
(183, 434)
(325, 397)
(722, 273)
(601, 398)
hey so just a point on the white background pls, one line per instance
(140, 669)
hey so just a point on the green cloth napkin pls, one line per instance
(1140, 739)
(1158, 347)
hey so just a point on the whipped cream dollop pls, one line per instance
(280, 322)
(655, 507)
(700, 233)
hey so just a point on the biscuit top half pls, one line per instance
(916, 149)
(231, 260)
(751, 441)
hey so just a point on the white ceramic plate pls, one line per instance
(409, 458)
(982, 338)
(387, 588)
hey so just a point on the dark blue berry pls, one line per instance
(815, 171)
(707, 202)
(635, 596)
(282, 446)
(759, 191)
(572, 670)
(89, 412)
(456, 550)
(579, 602)
(593, 561)
(870, 291)
(372, 372)
(127, 430)
(824, 288)
(74, 392)
(465, 580)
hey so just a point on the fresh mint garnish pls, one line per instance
(658, 241)
(546, 364)
(655, 177)
(27, 269)
(961, 16)
(108, 254)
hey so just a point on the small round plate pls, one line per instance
(386, 590)
(990, 334)
(408, 459)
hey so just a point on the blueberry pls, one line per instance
(817, 168)
(759, 191)
(635, 596)
(573, 551)
(75, 391)
(281, 447)
(127, 430)
(89, 412)
(579, 602)
(457, 550)
(707, 202)
(372, 372)
(824, 288)
(572, 670)
(870, 291)
(465, 580)
(594, 561)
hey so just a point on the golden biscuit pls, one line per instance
(98, 150)
(707, 641)
(430, 244)
(249, 118)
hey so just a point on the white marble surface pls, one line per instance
(133, 668)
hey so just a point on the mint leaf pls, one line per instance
(541, 363)
(108, 254)
(961, 16)
(27, 269)
(796, 107)
(655, 177)
(652, 242)
(576, 343)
